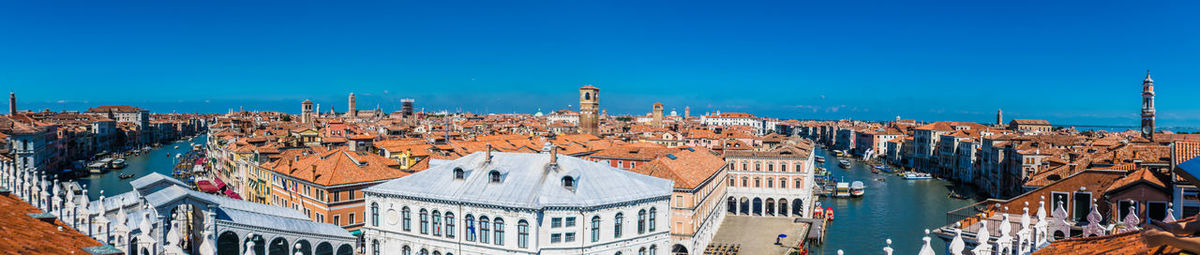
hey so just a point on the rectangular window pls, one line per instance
(570, 222)
(569, 237)
(1082, 205)
(678, 201)
(351, 222)
(1059, 197)
(1156, 210)
(555, 222)
(337, 220)
(555, 238)
(351, 194)
(1123, 208)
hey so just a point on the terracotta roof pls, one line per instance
(338, 166)
(688, 167)
(641, 151)
(1029, 122)
(26, 235)
(1129, 243)
(1185, 150)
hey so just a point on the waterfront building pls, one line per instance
(926, 138)
(697, 207)
(563, 116)
(777, 182)
(519, 203)
(1148, 107)
(589, 106)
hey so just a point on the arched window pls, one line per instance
(494, 176)
(406, 250)
(406, 219)
(617, 225)
(375, 247)
(499, 224)
(642, 251)
(437, 223)
(522, 234)
(449, 224)
(424, 252)
(484, 225)
(653, 248)
(459, 174)
(424, 215)
(641, 221)
(653, 211)
(595, 229)
(437, 253)
(374, 214)
(470, 225)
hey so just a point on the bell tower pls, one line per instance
(589, 105)
(1148, 107)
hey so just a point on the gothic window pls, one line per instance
(522, 234)
(617, 225)
(499, 223)
(595, 229)
(483, 229)
(437, 223)
(375, 214)
(449, 224)
(652, 213)
(406, 219)
(424, 215)
(641, 222)
(470, 225)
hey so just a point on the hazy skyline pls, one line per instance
(1078, 62)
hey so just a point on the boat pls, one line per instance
(177, 146)
(118, 163)
(917, 176)
(126, 176)
(955, 195)
(886, 170)
(820, 159)
(857, 189)
(844, 163)
(828, 213)
(97, 168)
(842, 190)
(880, 179)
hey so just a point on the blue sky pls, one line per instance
(1067, 61)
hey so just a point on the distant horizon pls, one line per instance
(1067, 61)
(197, 107)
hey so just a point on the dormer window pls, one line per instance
(568, 182)
(459, 174)
(494, 176)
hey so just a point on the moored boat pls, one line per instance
(126, 176)
(857, 189)
(917, 176)
(118, 163)
(844, 163)
(842, 190)
(820, 159)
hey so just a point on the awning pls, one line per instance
(356, 232)
(220, 184)
(207, 186)
(233, 195)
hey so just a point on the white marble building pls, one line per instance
(519, 203)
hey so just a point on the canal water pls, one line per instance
(160, 160)
(895, 208)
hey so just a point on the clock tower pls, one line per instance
(1148, 107)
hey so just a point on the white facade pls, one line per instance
(518, 203)
(771, 183)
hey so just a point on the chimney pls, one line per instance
(314, 172)
(487, 156)
(553, 155)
